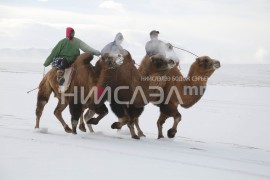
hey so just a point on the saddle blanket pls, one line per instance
(68, 77)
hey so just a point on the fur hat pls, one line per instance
(154, 32)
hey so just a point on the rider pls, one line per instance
(65, 53)
(114, 48)
(158, 47)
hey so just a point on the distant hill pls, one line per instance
(24, 55)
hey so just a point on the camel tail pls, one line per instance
(84, 59)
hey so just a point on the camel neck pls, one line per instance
(193, 88)
(195, 78)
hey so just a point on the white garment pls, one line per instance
(114, 47)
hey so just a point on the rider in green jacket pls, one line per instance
(65, 53)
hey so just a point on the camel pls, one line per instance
(127, 75)
(196, 80)
(83, 76)
(189, 89)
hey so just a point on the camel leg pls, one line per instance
(120, 112)
(134, 113)
(130, 125)
(130, 112)
(140, 132)
(161, 120)
(58, 113)
(102, 111)
(82, 126)
(44, 93)
(123, 118)
(88, 115)
(41, 102)
(121, 122)
(171, 132)
(75, 111)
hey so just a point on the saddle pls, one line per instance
(68, 77)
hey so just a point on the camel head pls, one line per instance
(159, 62)
(113, 61)
(205, 66)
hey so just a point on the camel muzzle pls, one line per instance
(171, 63)
(216, 64)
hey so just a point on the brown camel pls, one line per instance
(177, 90)
(189, 91)
(83, 76)
(128, 77)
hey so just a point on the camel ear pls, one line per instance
(154, 61)
(198, 60)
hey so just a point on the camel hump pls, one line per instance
(145, 61)
(84, 58)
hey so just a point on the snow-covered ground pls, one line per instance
(224, 136)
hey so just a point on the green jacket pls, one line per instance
(70, 50)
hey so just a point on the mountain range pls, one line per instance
(24, 55)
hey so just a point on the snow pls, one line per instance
(224, 136)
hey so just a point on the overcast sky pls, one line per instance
(233, 31)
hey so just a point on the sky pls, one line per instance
(232, 31)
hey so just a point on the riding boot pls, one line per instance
(60, 77)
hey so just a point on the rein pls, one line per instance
(179, 49)
(186, 51)
(38, 86)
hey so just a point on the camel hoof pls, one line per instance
(160, 136)
(116, 125)
(68, 130)
(74, 131)
(93, 121)
(171, 133)
(82, 127)
(140, 134)
(135, 137)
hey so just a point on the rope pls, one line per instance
(180, 49)
(186, 51)
(36, 87)
(32, 90)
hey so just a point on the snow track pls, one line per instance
(225, 136)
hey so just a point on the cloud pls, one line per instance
(42, 0)
(111, 5)
(234, 39)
